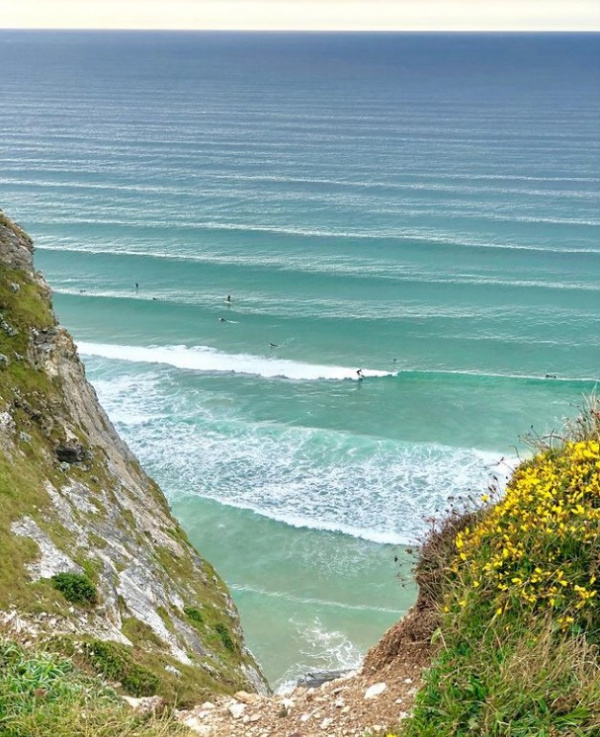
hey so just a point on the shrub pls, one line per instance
(111, 659)
(76, 588)
(115, 662)
(539, 547)
(223, 633)
(139, 681)
(194, 614)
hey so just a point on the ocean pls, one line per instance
(424, 208)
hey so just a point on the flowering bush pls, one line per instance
(539, 547)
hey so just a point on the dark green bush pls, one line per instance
(114, 661)
(76, 588)
(139, 681)
(111, 659)
(194, 614)
(223, 633)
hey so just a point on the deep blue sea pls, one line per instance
(424, 208)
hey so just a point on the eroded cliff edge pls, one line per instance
(73, 498)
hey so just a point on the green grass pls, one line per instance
(43, 695)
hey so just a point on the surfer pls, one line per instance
(228, 299)
(551, 376)
(274, 345)
(137, 286)
(222, 319)
(359, 373)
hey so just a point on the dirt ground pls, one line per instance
(375, 699)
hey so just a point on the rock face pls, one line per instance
(74, 499)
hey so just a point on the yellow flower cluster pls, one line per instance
(540, 545)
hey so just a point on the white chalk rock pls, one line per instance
(375, 690)
(236, 710)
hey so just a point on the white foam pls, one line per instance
(206, 359)
(313, 602)
(365, 487)
(320, 649)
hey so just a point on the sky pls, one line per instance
(313, 15)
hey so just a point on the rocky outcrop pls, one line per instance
(74, 499)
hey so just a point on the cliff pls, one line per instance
(137, 603)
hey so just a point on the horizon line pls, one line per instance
(453, 31)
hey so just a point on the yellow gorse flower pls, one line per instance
(539, 546)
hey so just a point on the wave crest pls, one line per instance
(206, 359)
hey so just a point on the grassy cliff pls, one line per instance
(92, 563)
(515, 590)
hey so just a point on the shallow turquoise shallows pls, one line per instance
(422, 208)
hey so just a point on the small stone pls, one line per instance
(345, 710)
(172, 669)
(255, 718)
(208, 705)
(408, 680)
(338, 703)
(3, 360)
(195, 725)
(145, 705)
(14, 287)
(326, 722)
(236, 710)
(25, 437)
(288, 704)
(402, 715)
(376, 728)
(375, 690)
(64, 466)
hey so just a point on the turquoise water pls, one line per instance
(424, 208)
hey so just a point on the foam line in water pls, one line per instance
(206, 359)
(314, 602)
